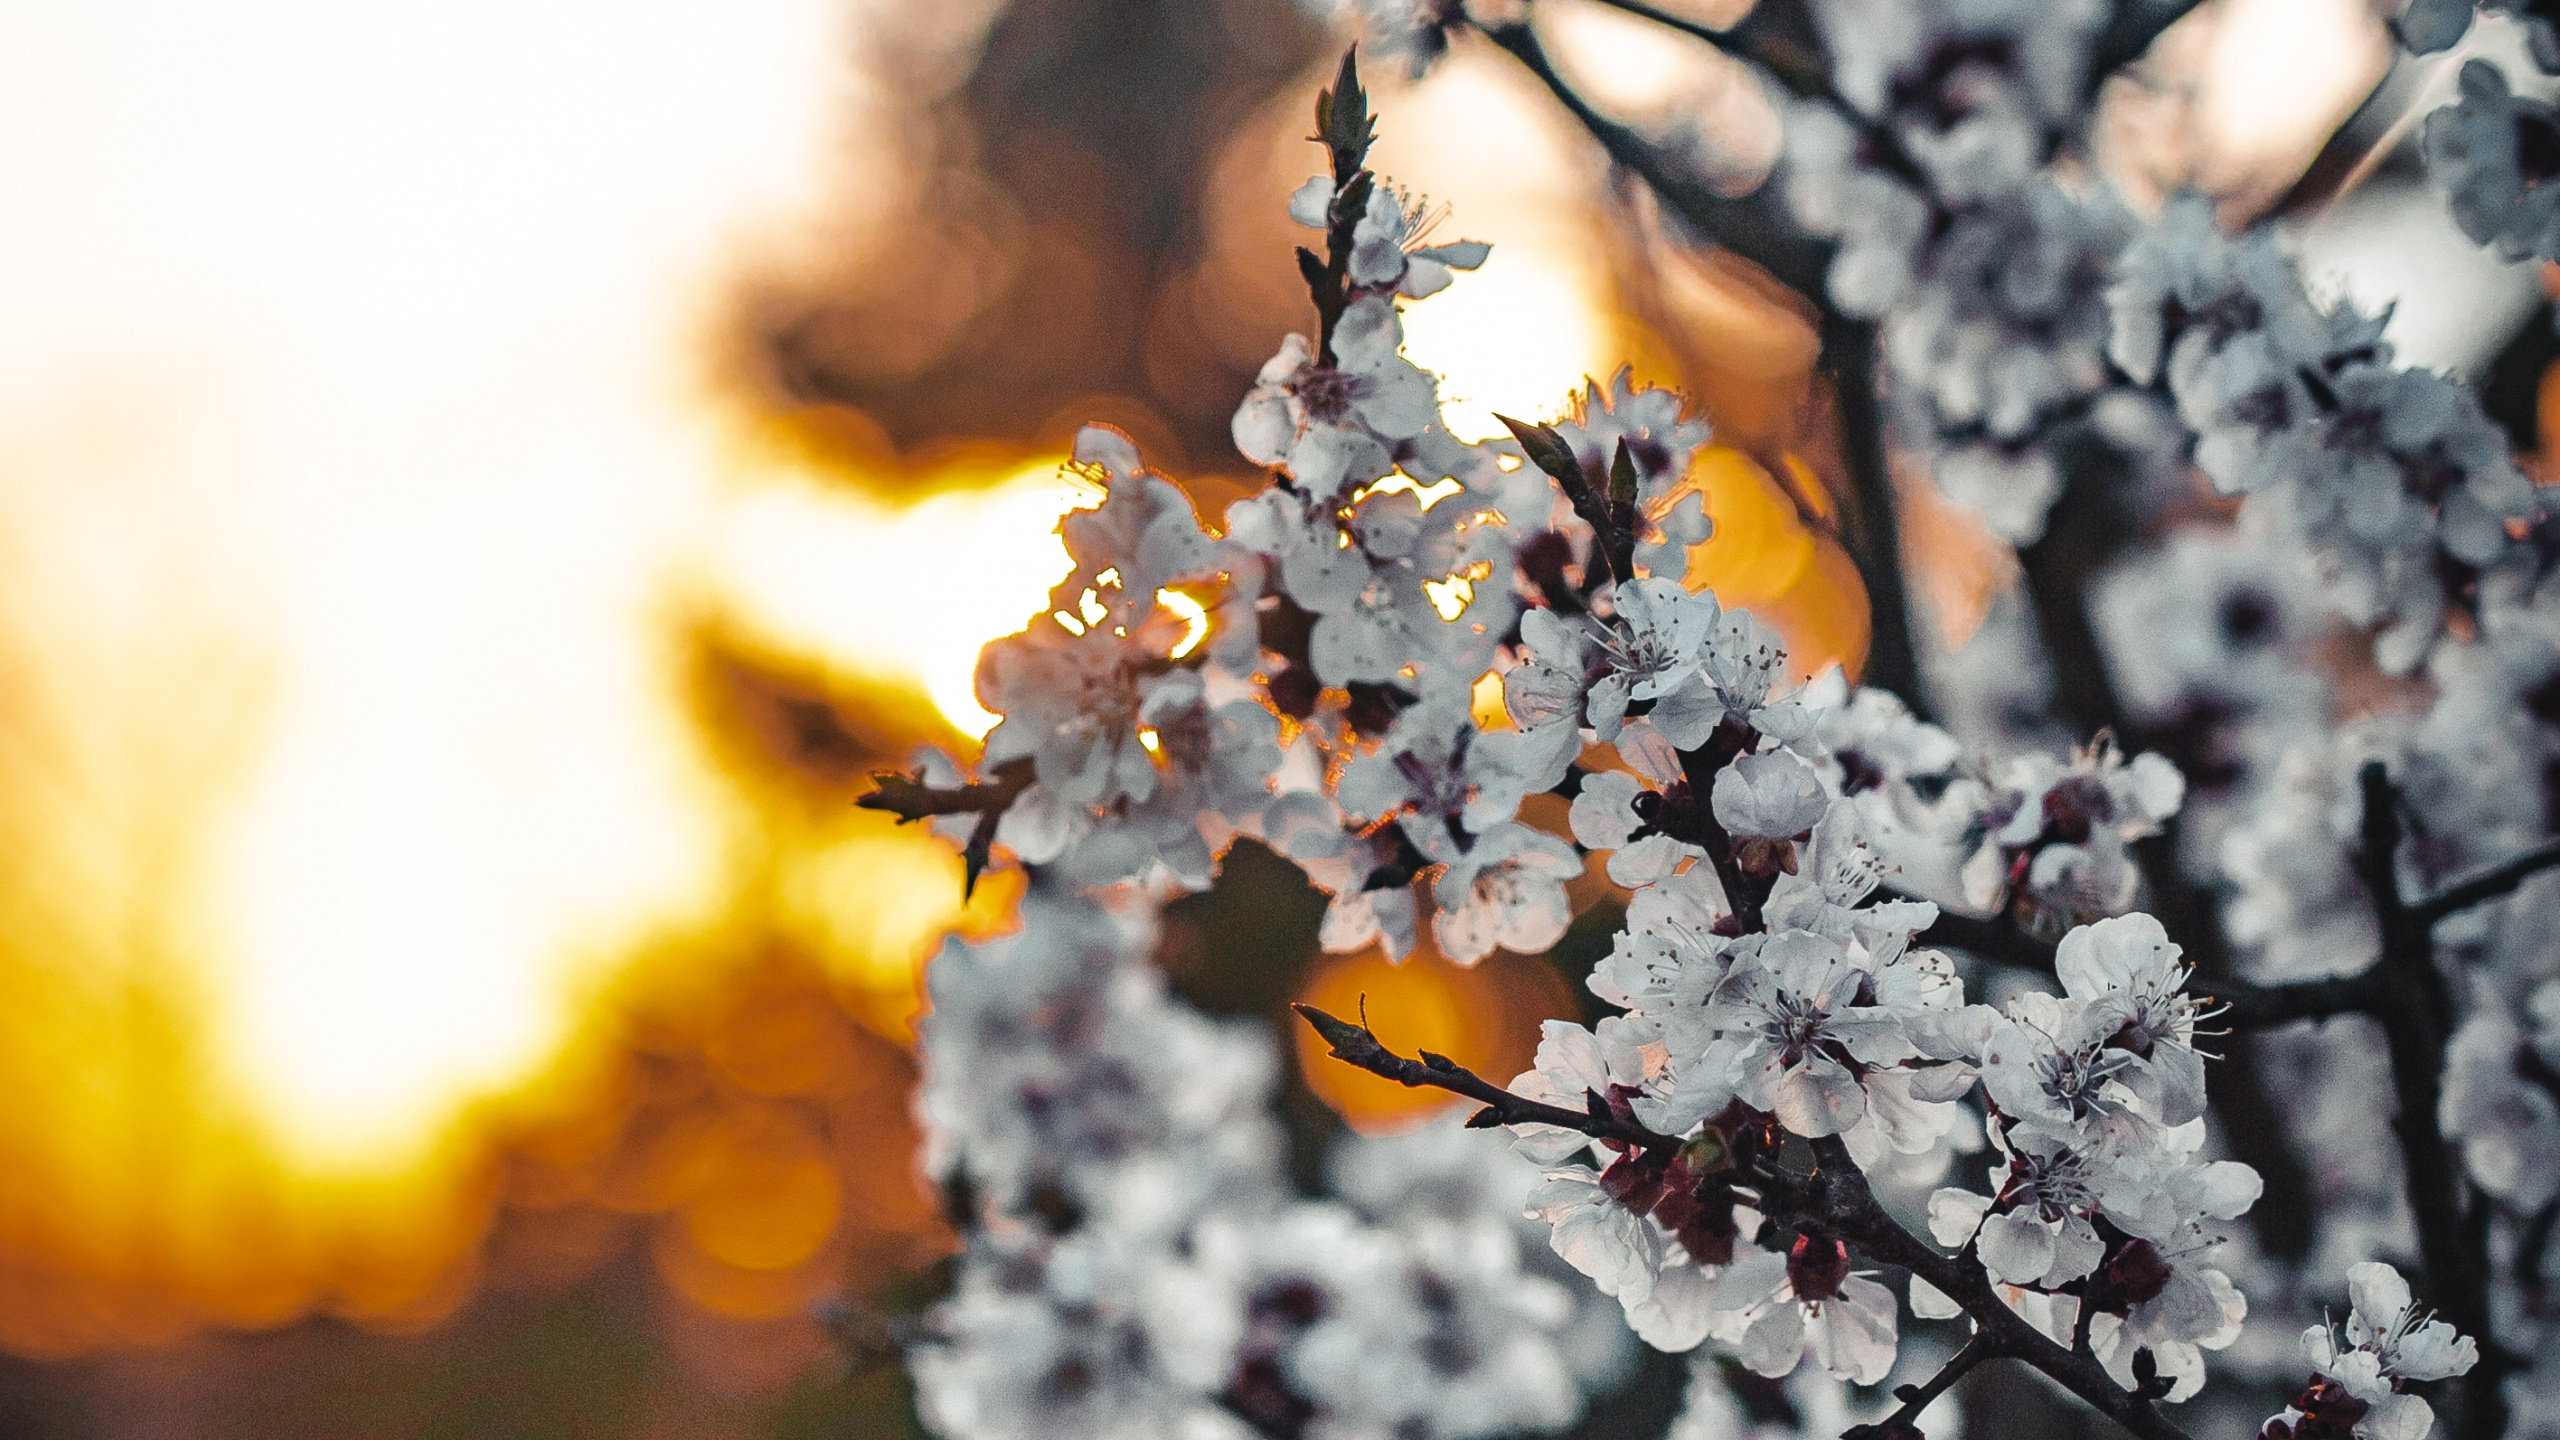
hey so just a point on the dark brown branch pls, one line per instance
(2488, 885)
(1836, 1198)
(1994, 939)
(909, 798)
(1358, 1045)
(1750, 226)
(1871, 526)
(2240, 1005)
(2263, 1007)
(1905, 1420)
(2414, 1006)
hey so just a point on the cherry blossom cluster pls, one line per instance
(1769, 1148)
(2391, 477)
(1136, 1265)
(2494, 153)
(1939, 164)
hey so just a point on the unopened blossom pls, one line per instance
(2359, 1378)
(1773, 1308)
(1774, 796)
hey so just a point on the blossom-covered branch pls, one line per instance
(1315, 670)
(1359, 1045)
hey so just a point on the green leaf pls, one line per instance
(1622, 476)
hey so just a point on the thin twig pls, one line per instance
(2488, 885)
(1749, 226)
(1905, 1420)
(1359, 1045)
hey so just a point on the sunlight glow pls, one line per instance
(1510, 168)
(875, 589)
(400, 322)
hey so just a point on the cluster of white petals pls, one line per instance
(1137, 1265)
(1459, 682)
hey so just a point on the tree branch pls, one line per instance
(2263, 1007)
(1905, 1420)
(909, 798)
(2241, 1005)
(1836, 1197)
(2415, 1009)
(2129, 34)
(1992, 938)
(1873, 529)
(1358, 1045)
(2488, 885)
(1749, 226)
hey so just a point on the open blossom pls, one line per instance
(1794, 1041)
(1437, 776)
(2126, 970)
(2057, 837)
(1606, 816)
(1629, 1254)
(2164, 1301)
(2359, 1380)
(1773, 1308)
(1386, 241)
(2037, 1228)
(1334, 425)
(2508, 1126)
(1507, 890)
